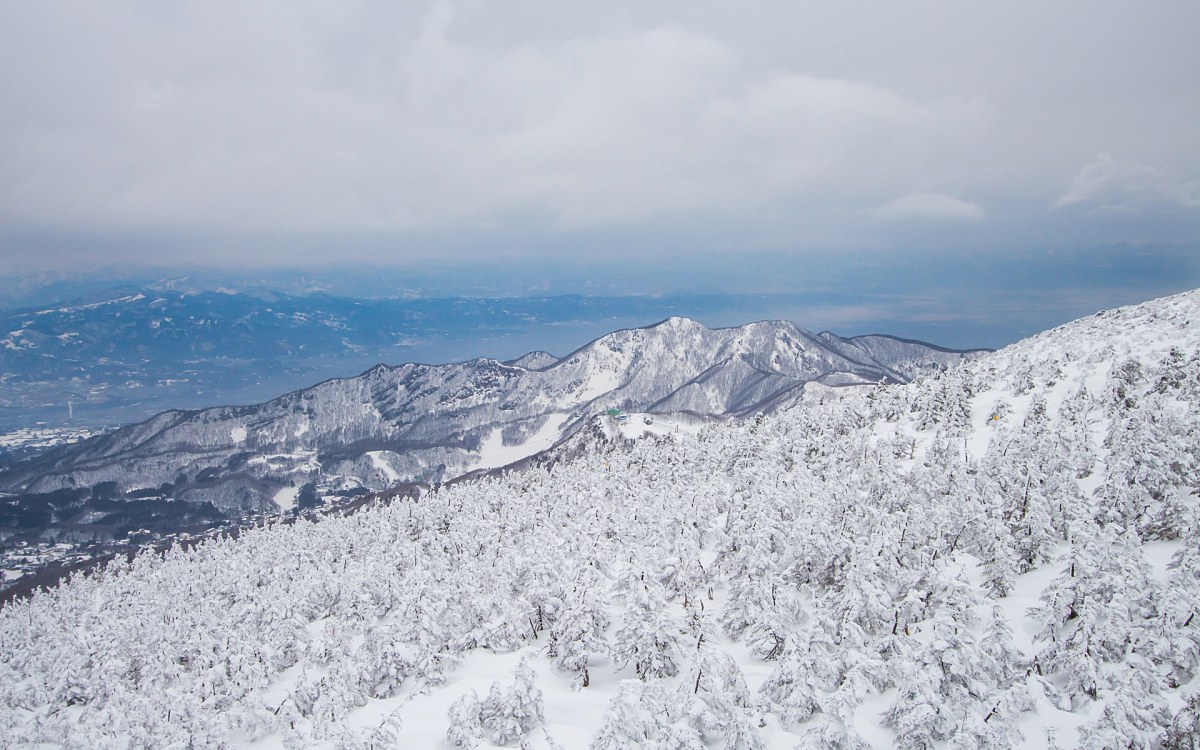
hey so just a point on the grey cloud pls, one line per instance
(786, 124)
(928, 206)
(587, 131)
(1128, 186)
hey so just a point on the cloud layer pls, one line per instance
(797, 124)
(929, 206)
(1116, 186)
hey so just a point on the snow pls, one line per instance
(43, 437)
(380, 462)
(677, 367)
(640, 425)
(823, 522)
(304, 462)
(1024, 597)
(1048, 722)
(1158, 556)
(600, 383)
(494, 454)
(285, 498)
(92, 306)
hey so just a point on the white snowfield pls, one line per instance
(1003, 555)
(494, 454)
(32, 437)
(285, 497)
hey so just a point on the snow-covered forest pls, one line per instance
(1003, 555)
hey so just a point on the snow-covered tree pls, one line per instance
(1133, 716)
(716, 702)
(649, 637)
(578, 632)
(1184, 730)
(509, 713)
(465, 728)
(644, 716)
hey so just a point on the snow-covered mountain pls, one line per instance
(1002, 555)
(126, 353)
(430, 423)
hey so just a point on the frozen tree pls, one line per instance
(814, 664)
(996, 729)
(649, 638)
(1133, 716)
(1093, 612)
(864, 598)
(1022, 476)
(1125, 379)
(998, 414)
(509, 713)
(1022, 380)
(1149, 459)
(465, 726)
(1075, 432)
(1177, 629)
(389, 733)
(1184, 731)
(717, 703)
(917, 713)
(945, 403)
(999, 569)
(997, 643)
(508, 626)
(578, 633)
(833, 728)
(386, 661)
(644, 716)
(760, 610)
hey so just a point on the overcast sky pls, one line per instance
(283, 133)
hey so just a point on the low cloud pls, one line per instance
(1111, 185)
(928, 206)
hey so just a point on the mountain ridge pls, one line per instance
(435, 422)
(132, 352)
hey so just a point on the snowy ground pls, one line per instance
(892, 567)
(43, 438)
(285, 498)
(493, 453)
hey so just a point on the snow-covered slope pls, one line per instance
(432, 423)
(1003, 555)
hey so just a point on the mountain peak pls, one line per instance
(535, 360)
(676, 322)
(438, 422)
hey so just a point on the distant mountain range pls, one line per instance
(123, 354)
(432, 423)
